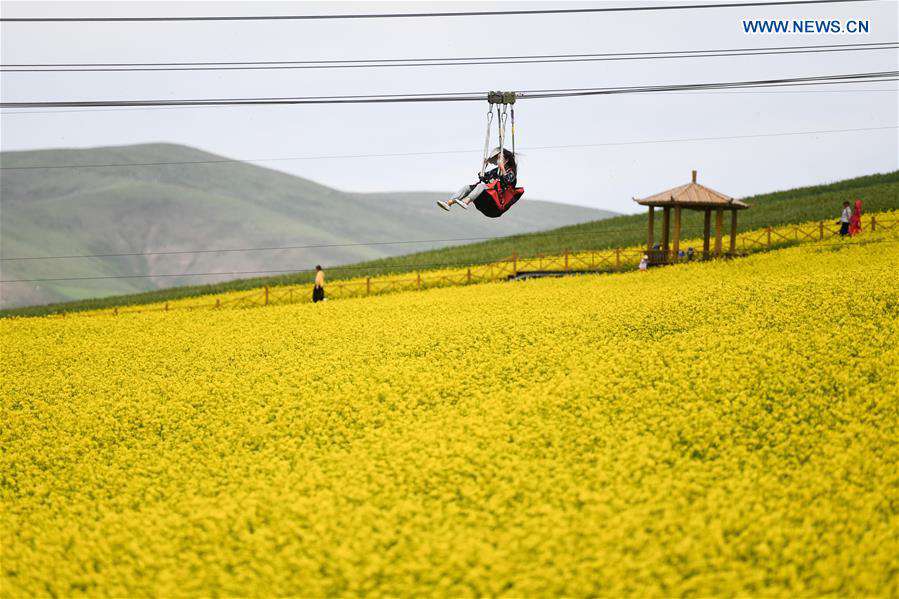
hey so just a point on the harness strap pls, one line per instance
(501, 159)
(487, 139)
(513, 132)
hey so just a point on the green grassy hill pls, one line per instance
(66, 211)
(878, 192)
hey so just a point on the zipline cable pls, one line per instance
(466, 96)
(247, 161)
(892, 90)
(558, 11)
(431, 62)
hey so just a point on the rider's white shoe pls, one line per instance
(443, 205)
(462, 204)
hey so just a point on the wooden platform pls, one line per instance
(537, 274)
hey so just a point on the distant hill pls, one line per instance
(66, 211)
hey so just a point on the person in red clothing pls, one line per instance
(855, 221)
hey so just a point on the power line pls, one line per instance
(209, 274)
(420, 15)
(432, 62)
(253, 249)
(315, 246)
(433, 153)
(452, 58)
(311, 270)
(463, 96)
(248, 272)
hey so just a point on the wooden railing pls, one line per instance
(609, 260)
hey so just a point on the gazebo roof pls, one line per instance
(692, 195)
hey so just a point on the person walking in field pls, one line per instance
(845, 217)
(855, 221)
(318, 291)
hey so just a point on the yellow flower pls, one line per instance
(725, 428)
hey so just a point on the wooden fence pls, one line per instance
(610, 260)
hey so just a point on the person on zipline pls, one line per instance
(503, 177)
(496, 191)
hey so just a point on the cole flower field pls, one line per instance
(724, 428)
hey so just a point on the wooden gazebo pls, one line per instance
(691, 196)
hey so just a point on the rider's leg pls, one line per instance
(457, 198)
(473, 194)
(463, 192)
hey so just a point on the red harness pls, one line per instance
(496, 199)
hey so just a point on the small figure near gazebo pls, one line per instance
(691, 196)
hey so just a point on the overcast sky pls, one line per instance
(602, 177)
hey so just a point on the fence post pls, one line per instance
(266, 295)
(166, 306)
(617, 257)
(769, 237)
(115, 311)
(821, 231)
(218, 303)
(566, 260)
(873, 223)
(515, 263)
(419, 280)
(367, 285)
(468, 276)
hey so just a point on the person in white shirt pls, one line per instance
(845, 217)
(644, 263)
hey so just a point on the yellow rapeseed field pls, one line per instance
(727, 428)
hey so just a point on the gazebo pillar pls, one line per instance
(719, 227)
(733, 231)
(707, 223)
(650, 236)
(666, 226)
(676, 231)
